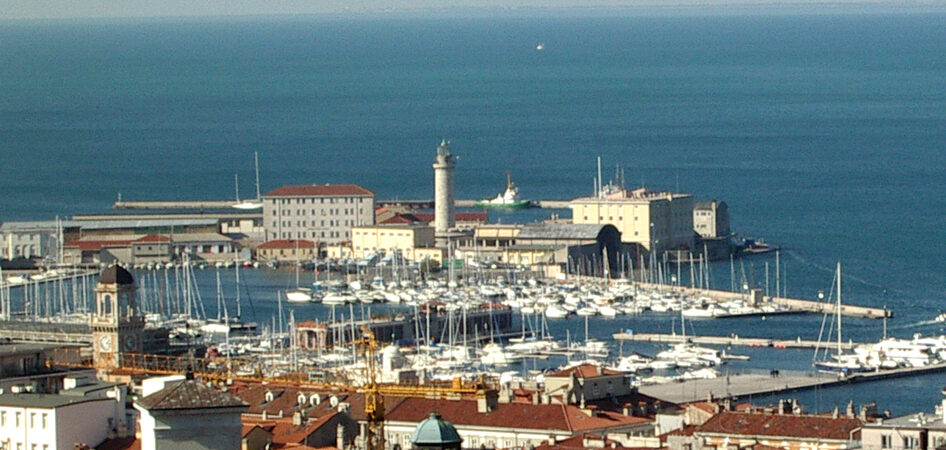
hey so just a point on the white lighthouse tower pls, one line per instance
(444, 208)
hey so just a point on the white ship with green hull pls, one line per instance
(507, 200)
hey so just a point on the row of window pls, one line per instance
(323, 212)
(7, 445)
(321, 200)
(309, 234)
(18, 419)
(886, 441)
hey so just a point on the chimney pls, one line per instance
(835, 413)
(340, 436)
(600, 370)
(297, 418)
(781, 406)
(546, 398)
(627, 410)
(487, 400)
(264, 414)
(535, 398)
(796, 407)
(850, 409)
(551, 441)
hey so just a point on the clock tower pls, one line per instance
(116, 323)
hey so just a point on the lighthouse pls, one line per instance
(444, 209)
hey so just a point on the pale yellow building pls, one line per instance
(658, 221)
(414, 241)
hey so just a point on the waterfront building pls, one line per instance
(88, 413)
(321, 213)
(181, 413)
(414, 241)
(150, 248)
(711, 219)
(656, 221)
(33, 240)
(287, 250)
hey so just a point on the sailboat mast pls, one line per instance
(256, 164)
(839, 308)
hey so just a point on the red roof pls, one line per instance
(578, 442)
(584, 371)
(429, 217)
(780, 425)
(284, 243)
(319, 190)
(464, 412)
(96, 245)
(284, 432)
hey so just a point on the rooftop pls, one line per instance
(48, 401)
(320, 190)
(780, 425)
(564, 231)
(639, 195)
(189, 394)
(585, 371)
(435, 431)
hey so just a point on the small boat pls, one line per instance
(507, 200)
(540, 47)
(299, 295)
(941, 317)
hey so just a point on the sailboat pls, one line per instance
(249, 204)
(841, 363)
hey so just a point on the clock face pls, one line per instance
(105, 343)
(129, 343)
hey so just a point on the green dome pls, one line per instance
(435, 431)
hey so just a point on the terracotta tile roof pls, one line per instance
(286, 400)
(507, 415)
(285, 433)
(319, 190)
(285, 243)
(584, 371)
(424, 217)
(92, 245)
(781, 425)
(189, 394)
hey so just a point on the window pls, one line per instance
(909, 442)
(886, 441)
(32, 420)
(18, 417)
(3, 418)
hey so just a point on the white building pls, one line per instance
(178, 413)
(30, 239)
(321, 213)
(88, 413)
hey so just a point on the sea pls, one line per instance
(822, 129)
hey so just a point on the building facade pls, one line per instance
(287, 250)
(388, 238)
(657, 221)
(711, 219)
(322, 213)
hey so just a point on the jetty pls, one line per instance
(730, 341)
(756, 383)
(227, 204)
(792, 304)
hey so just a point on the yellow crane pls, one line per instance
(219, 369)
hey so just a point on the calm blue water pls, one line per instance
(823, 133)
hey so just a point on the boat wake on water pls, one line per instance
(827, 269)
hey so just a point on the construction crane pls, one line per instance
(374, 402)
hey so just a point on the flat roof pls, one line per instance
(81, 391)
(36, 225)
(29, 400)
(143, 223)
(21, 348)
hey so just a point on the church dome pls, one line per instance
(116, 275)
(434, 431)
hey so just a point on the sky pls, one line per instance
(60, 9)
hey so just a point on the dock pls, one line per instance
(793, 304)
(228, 204)
(734, 341)
(755, 383)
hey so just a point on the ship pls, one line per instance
(507, 200)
